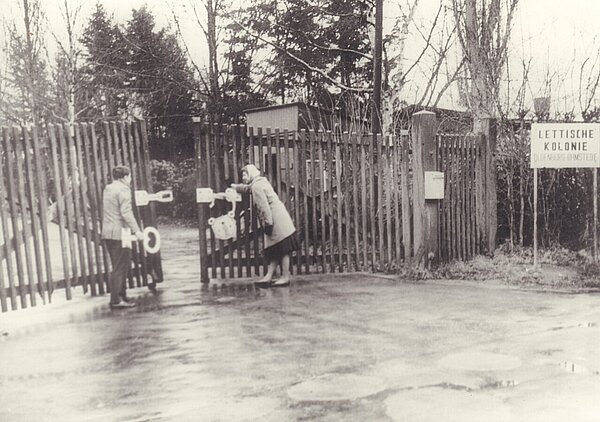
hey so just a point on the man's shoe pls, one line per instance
(281, 282)
(126, 299)
(122, 305)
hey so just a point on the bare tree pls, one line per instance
(394, 75)
(484, 29)
(432, 65)
(67, 62)
(26, 85)
(206, 14)
(589, 87)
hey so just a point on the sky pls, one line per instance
(557, 35)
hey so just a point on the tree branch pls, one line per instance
(302, 62)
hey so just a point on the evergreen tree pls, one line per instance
(241, 90)
(139, 71)
(318, 50)
(159, 84)
(101, 73)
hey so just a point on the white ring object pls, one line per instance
(211, 221)
(147, 232)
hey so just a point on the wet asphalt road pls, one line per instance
(343, 348)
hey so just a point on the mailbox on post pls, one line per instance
(434, 185)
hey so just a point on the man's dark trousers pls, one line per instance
(120, 258)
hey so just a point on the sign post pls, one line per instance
(564, 145)
(595, 214)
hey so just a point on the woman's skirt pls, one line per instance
(285, 247)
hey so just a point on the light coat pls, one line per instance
(118, 212)
(269, 209)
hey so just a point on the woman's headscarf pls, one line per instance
(252, 171)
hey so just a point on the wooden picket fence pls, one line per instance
(458, 158)
(51, 185)
(350, 196)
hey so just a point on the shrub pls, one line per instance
(179, 177)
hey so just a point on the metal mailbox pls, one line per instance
(434, 185)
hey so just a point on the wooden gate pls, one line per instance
(51, 185)
(458, 156)
(351, 198)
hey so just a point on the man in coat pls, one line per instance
(117, 215)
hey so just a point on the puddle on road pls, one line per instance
(459, 383)
(480, 361)
(448, 405)
(336, 387)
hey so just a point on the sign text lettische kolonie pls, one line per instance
(565, 145)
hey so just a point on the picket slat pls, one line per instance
(290, 202)
(254, 221)
(211, 212)
(227, 166)
(261, 165)
(389, 188)
(21, 235)
(355, 197)
(61, 210)
(463, 190)
(446, 207)
(244, 146)
(326, 196)
(406, 210)
(473, 214)
(237, 158)
(90, 162)
(40, 166)
(85, 244)
(340, 195)
(33, 200)
(4, 247)
(10, 245)
(328, 185)
(78, 233)
(201, 181)
(140, 269)
(301, 202)
(277, 163)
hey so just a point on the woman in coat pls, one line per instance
(279, 231)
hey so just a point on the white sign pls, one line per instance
(434, 185)
(565, 145)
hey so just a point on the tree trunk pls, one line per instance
(522, 209)
(33, 103)
(213, 64)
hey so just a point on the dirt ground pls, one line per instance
(347, 347)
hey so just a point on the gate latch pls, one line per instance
(224, 226)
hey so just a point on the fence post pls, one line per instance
(202, 215)
(488, 225)
(425, 212)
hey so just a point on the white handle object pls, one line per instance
(147, 232)
(127, 239)
(207, 196)
(143, 198)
